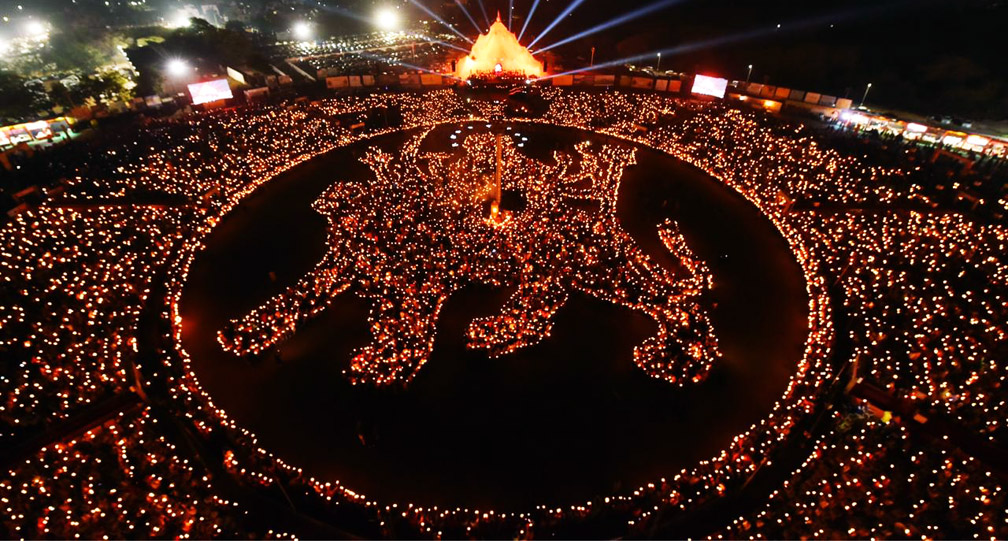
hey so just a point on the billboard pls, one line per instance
(605, 80)
(254, 94)
(642, 82)
(710, 86)
(39, 130)
(430, 79)
(210, 91)
(563, 80)
(236, 75)
(334, 83)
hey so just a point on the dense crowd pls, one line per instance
(378, 52)
(419, 232)
(868, 479)
(900, 278)
(120, 479)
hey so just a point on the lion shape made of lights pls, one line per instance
(419, 232)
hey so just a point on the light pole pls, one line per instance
(658, 66)
(748, 74)
(867, 88)
(592, 62)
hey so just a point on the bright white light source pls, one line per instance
(179, 20)
(177, 67)
(302, 31)
(210, 91)
(709, 86)
(35, 28)
(386, 19)
(977, 140)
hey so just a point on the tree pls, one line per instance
(234, 25)
(110, 85)
(16, 100)
(71, 53)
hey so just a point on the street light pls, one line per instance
(386, 19)
(867, 88)
(177, 67)
(658, 65)
(748, 75)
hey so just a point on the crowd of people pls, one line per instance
(120, 479)
(899, 278)
(75, 282)
(867, 479)
(420, 231)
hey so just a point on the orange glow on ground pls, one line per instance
(498, 52)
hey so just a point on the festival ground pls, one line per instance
(561, 422)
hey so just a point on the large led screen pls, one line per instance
(210, 91)
(710, 86)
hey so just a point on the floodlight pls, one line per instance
(177, 67)
(387, 19)
(35, 28)
(302, 31)
(179, 20)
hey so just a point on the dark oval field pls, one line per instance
(566, 421)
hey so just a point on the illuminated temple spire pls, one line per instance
(498, 52)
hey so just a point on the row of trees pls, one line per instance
(91, 65)
(202, 45)
(21, 98)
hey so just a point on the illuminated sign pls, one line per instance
(210, 91)
(236, 75)
(977, 141)
(710, 86)
(33, 131)
(39, 130)
(853, 117)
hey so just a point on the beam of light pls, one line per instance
(393, 62)
(573, 5)
(440, 20)
(346, 13)
(510, 13)
(625, 18)
(444, 44)
(528, 18)
(742, 36)
(468, 16)
(483, 10)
